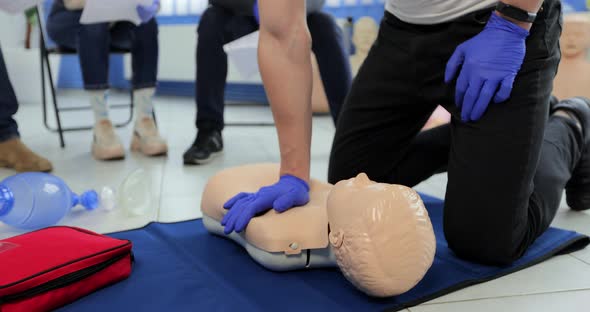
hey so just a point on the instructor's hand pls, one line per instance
(289, 192)
(488, 64)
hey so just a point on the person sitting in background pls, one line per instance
(13, 153)
(93, 43)
(227, 20)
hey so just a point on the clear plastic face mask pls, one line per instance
(133, 195)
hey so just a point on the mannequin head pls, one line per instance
(381, 235)
(365, 33)
(575, 39)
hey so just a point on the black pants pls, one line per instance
(506, 172)
(219, 26)
(8, 105)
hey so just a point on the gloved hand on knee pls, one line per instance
(489, 64)
(289, 192)
(146, 13)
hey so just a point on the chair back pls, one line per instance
(43, 11)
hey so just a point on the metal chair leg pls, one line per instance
(43, 91)
(55, 107)
(45, 61)
(131, 110)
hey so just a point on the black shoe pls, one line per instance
(207, 145)
(578, 188)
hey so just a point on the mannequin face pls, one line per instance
(575, 39)
(365, 33)
(381, 235)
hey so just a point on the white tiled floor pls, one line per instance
(560, 284)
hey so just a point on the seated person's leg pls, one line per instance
(13, 153)
(142, 40)
(217, 27)
(63, 26)
(94, 53)
(334, 64)
(92, 42)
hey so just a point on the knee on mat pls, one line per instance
(482, 247)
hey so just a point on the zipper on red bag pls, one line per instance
(64, 280)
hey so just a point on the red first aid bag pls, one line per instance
(49, 268)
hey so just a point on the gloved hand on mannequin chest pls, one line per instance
(289, 192)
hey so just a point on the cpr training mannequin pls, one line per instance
(379, 235)
(573, 77)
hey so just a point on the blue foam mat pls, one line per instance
(181, 267)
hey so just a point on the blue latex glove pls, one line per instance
(490, 62)
(256, 12)
(289, 192)
(146, 13)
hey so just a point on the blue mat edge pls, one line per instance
(576, 243)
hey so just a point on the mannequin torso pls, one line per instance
(379, 235)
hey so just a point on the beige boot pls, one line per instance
(147, 139)
(106, 144)
(15, 155)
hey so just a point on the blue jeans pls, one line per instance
(219, 26)
(8, 105)
(94, 42)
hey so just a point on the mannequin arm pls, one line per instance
(285, 65)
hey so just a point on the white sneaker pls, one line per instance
(106, 144)
(147, 139)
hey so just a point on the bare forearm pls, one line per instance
(528, 5)
(285, 66)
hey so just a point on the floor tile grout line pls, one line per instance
(512, 296)
(161, 196)
(580, 259)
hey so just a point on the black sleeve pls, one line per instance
(239, 7)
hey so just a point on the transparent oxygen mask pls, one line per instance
(133, 196)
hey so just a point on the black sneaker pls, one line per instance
(578, 188)
(207, 145)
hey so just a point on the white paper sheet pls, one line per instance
(102, 11)
(17, 6)
(243, 53)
